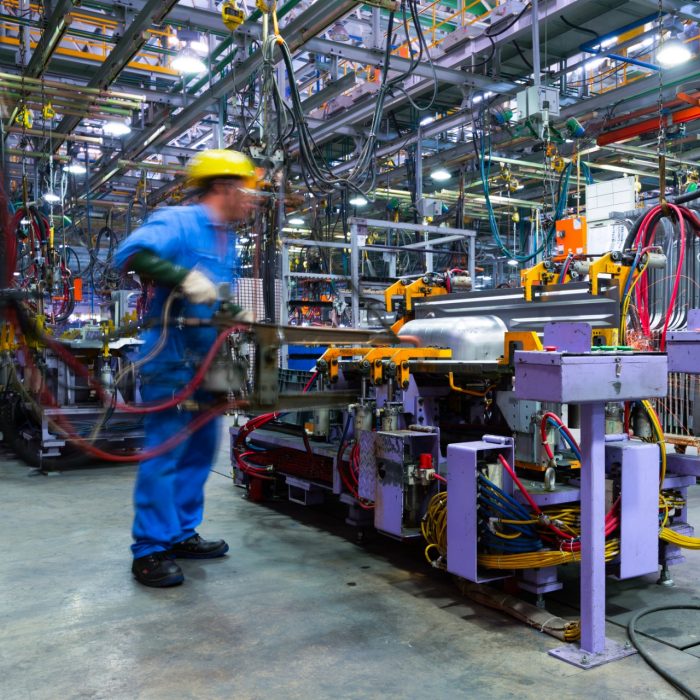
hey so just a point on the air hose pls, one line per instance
(632, 633)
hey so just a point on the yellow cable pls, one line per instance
(673, 537)
(651, 413)
(626, 301)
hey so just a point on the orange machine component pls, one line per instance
(77, 288)
(571, 237)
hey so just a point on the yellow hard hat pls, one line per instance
(220, 162)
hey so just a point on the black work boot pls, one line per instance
(196, 548)
(157, 570)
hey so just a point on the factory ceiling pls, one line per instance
(99, 85)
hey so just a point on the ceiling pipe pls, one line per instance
(38, 132)
(626, 133)
(590, 46)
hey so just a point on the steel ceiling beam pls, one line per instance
(54, 29)
(312, 21)
(374, 57)
(129, 44)
(462, 56)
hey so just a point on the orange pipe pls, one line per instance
(629, 132)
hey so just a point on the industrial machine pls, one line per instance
(513, 429)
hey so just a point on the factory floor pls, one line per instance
(297, 610)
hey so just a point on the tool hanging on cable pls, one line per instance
(232, 15)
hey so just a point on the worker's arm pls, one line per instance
(197, 287)
(152, 268)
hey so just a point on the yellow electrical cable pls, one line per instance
(656, 425)
(673, 537)
(626, 301)
(541, 559)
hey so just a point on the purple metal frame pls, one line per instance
(572, 374)
(462, 529)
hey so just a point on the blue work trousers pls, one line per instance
(169, 493)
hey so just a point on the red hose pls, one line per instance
(676, 283)
(141, 409)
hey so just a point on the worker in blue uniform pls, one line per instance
(188, 251)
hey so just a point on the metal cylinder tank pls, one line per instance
(471, 338)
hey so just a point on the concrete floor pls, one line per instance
(296, 611)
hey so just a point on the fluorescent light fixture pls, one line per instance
(116, 128)
(673, 53)
(155, 134)
(358, 201)
(188, 63)
(296, 221)
(51, 197)
(594, 64)
(76, 169)
(427, 120)
(200, 47)
(440, 175)
(513, 263)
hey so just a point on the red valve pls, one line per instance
(425, 461)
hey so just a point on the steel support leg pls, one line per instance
(594, 649)
(593, 528)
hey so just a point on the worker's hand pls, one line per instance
(198, 288)
(244, 316)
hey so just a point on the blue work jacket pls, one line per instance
(188, 237)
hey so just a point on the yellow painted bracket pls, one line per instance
(396, 361)
(402, 356)
(605, 265)
(518, 340)
(536, 276)
(417, 289)
(7, 338)
(328, 362)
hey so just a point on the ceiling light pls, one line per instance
(116, 128)
(296, 221)
(513, 263)
(188, 63)
(440, 175)
(358, 201)
(339, 33)
(673, 53)
(200, 47)
(51, 198)
(76, 169)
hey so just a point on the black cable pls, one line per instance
(665, 673)
(571, 25)
(522, 55)
(490, 34)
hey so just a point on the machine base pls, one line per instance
(573, 654)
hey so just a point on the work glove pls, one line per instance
(244, 316)
(236, 313)
(198, 288)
